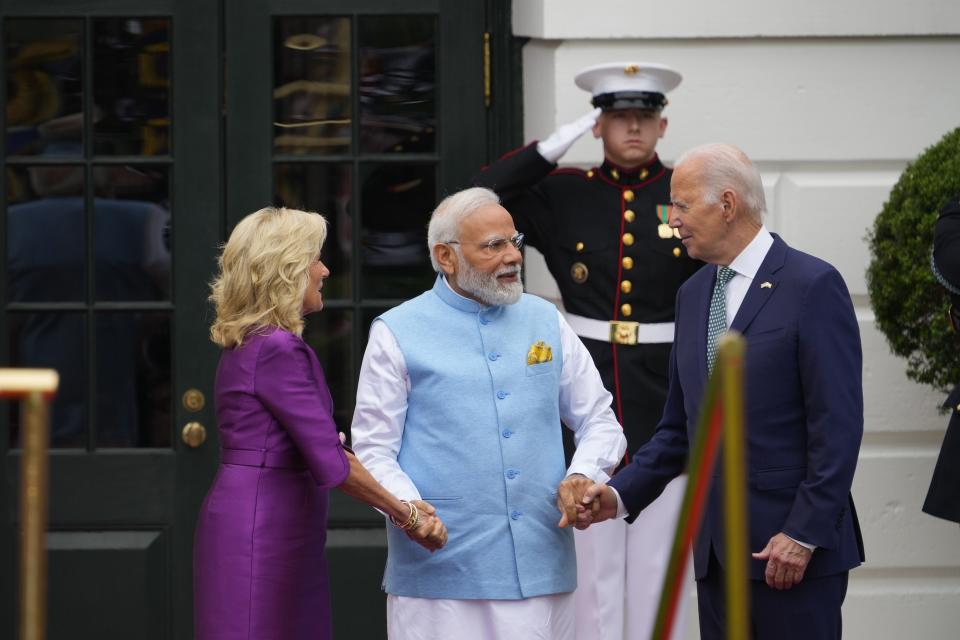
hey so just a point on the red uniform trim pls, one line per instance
(512, 152)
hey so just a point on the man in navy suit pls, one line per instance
(803, 405)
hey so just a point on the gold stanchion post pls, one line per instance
(35, 387)
(730, 353)
(33, 519)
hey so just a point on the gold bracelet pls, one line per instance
(412, 521)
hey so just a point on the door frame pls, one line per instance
(87, 489)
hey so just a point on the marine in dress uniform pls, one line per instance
(618, 265)
(943, 497)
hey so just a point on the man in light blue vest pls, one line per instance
(461, 397)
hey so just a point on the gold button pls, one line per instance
(628, 195)
(628, 239)
(677, 252)
(643, 174)
(579, 246)
(579, 272)
(590, 173)
(629, 215)
(626, 310)
(626, 286)
(615, 174)
(193, 400)
(627, 262)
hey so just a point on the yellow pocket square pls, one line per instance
(539, 352)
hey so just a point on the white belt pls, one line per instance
(621, 331)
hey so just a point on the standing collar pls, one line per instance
(749, 261)
(636, 175)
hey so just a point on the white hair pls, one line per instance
(446, 218)
(724, 166)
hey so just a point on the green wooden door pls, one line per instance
(367, 111)
(137, 133)
(111, 216)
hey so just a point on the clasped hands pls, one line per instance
(582, 502)
(430, 532)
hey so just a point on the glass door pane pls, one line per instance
(311, 90)
(90, 232)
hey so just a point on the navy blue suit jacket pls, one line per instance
(803, 408)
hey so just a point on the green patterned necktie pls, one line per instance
(717, 323)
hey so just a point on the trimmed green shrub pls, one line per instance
(910, 305)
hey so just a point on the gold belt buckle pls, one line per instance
(624, 332)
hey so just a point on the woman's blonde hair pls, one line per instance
(264, 273)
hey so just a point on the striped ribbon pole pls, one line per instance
(720, 419)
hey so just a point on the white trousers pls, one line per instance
(540, 618)
(620, 570)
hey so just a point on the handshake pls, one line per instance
(582, 502)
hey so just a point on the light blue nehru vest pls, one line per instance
(482, 443)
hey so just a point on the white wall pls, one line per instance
(831, 99)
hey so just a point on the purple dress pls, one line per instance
(259, 566)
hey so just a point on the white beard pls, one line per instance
(485, 287)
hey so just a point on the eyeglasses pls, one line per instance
(496, 246)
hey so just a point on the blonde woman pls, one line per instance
(259, 563)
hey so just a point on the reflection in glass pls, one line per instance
(132, 232)
(44, 86)
(326, 189)
(397, 200)
(397, 83)
(46, 245)
(133, 379)
(55, 340)
(329, 332)
(131, 86)
(311, 94)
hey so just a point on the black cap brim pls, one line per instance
(647, 100)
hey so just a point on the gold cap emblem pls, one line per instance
(631, 69)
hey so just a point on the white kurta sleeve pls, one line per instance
(377, 428)
(585, 409)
